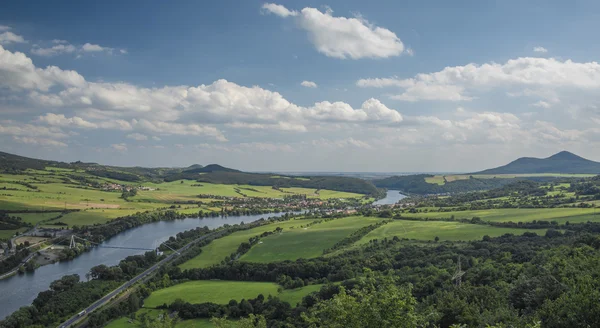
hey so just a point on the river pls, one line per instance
(392, 197)
(21, 290)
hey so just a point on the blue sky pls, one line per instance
(300, 85)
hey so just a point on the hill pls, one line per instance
(210, 168)
(562, 162)
(416, 184)
(212, 173)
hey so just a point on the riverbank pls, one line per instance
(21, 290)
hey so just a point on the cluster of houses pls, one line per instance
(5, 249)
(120, 187)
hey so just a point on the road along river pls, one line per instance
(21, 290)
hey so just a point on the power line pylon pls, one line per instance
(457, 277)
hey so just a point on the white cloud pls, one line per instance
(458, 83)
(343, 37)
(371, 110)
(9, 37)
(119, 147)
(155, 138)
(137, 136)
(28, 130)
(18, 72)
(39, 141)
(88, 47)
(60, 47)
(308, 84)
(4, 28)
(540, 49)
(542, 104)
(278, 10)
(173, 110)
(54, 50)
(340, 143)
(62, 121)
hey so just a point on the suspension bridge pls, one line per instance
(74, 239)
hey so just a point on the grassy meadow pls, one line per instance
(214, 291)
(306, 242)
(217, 250)
(53, 190)
(561, 215)
(428, 230)
(439, 179)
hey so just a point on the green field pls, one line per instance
(217, 250)
(188, 190)
(305, 243)
(428, 230)
(221, 292)
(35, 218)
(126, 322)
(216, 291)
(561, 215)
(294, 296)
(439, 179)
(60, 189)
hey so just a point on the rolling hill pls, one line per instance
(212, 173)
(563, 162)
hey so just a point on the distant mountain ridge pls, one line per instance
(212, 173)
(210, 168)
(563, 162)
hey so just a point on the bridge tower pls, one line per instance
(73, 243)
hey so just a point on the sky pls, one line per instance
(377, 86)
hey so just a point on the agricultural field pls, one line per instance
(217, 250)
(439, 179)
(56, 189)
(561, 215)
(306, 242)
(221, 292)
(428, 230)
(126, 322)
(35, 218)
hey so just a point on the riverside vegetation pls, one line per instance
(527, 252)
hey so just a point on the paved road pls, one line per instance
(143, 275)
(6, 275)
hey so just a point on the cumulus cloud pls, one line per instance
(4, 28)
(137, 136)
(458, 83)
(278, 10)
(39, 141)
(308, 84)
(9, 37)
(61, 120)
(342, 37)
(13, 128)
(17, 71)
(171, 110)
(121, 147)
(540, 49)
(61, 47)
(542, 104)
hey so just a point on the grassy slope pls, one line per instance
(102, 206)
(561, 215)
(305, 243)
(219, 292)
(428, 230)
(438, 179)
(35, 218)
(217, 250)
